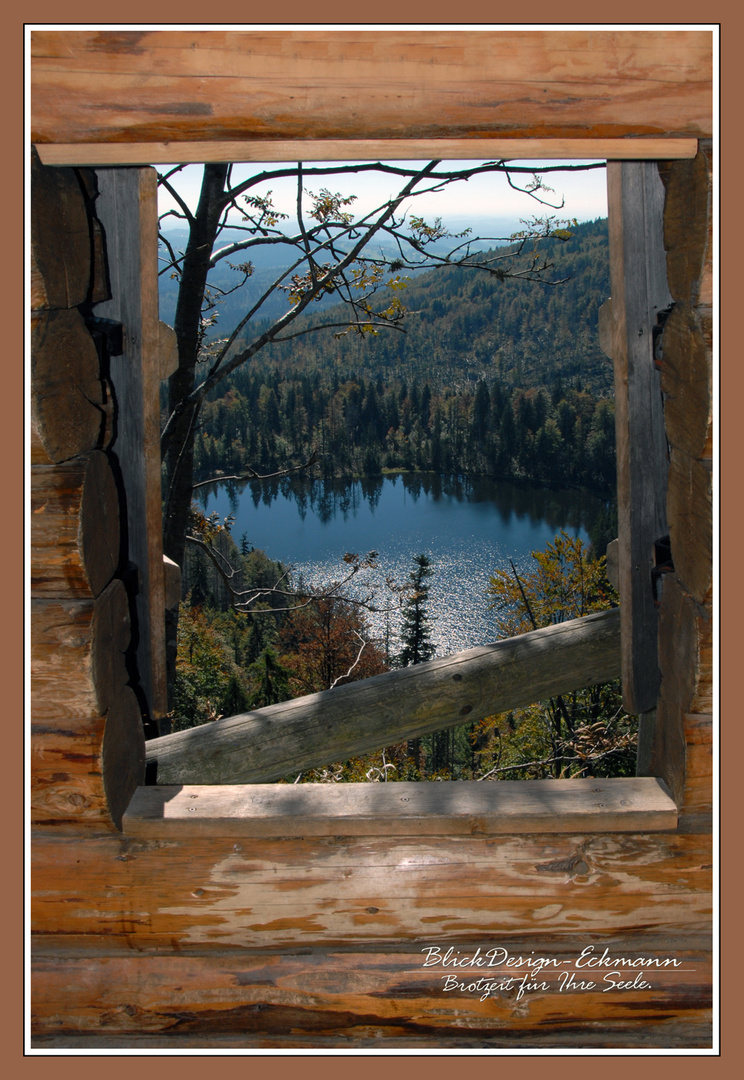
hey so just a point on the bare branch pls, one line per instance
(244, 600)
(251, 474)
(164, 182)
(356, 662)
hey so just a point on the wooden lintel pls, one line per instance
(177, 152)
(622, 804)
(115, 86)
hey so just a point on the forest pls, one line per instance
(503, 379)
(492, 378)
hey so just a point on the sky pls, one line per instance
(486, 196)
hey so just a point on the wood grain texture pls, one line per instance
(639, 294)
(686, 382)
(78, 654)
(687, 226)
(66, 779)
(367, 996)
(75, 527)
(685, 629)
(319, 729)
(258, 894)
(84, 772)
(699, 762)
(692, 1028)
(126, 207)
(165, 86)
(67, 393)
(353, 149)
(402, 809)
(690, 513)
(60, 239)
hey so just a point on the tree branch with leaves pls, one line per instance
(330, 253)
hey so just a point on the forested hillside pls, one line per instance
(463, 325)
(494, 378)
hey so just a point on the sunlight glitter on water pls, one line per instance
(467, 530)
(459, 615)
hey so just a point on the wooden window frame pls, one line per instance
(627, 804)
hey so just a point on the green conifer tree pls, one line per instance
(417, 643)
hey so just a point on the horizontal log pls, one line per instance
(693, 1029)
(685, 630)
(212, 893)
(620, 804)
(166, 86)
(67, 394)
(373, 995)
(75, 527)
(66, 781)
(349, 720)
(78, 647)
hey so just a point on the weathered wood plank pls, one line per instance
(75, 528)
(392, 993)
(639, 294)
(349, 720)
(402, 809)
(127, 209)
(691, 1030)
(219, 892)
(145, 86)
(66, 781)
(554, 149)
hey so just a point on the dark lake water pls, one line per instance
(467, 528)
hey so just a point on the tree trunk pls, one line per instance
(178, 452)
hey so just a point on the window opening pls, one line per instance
(262, 211)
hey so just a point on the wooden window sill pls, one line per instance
(633, 804)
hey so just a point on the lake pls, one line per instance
(467, 528)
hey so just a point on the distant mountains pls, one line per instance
(462, 326)
(269, 260)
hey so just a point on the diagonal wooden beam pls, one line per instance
(313, 731)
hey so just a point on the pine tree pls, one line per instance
(272, 680)
(417, 643)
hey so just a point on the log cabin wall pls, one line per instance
(317, 942)
(682, 747)
(87, 735)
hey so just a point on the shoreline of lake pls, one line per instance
(468, 527)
